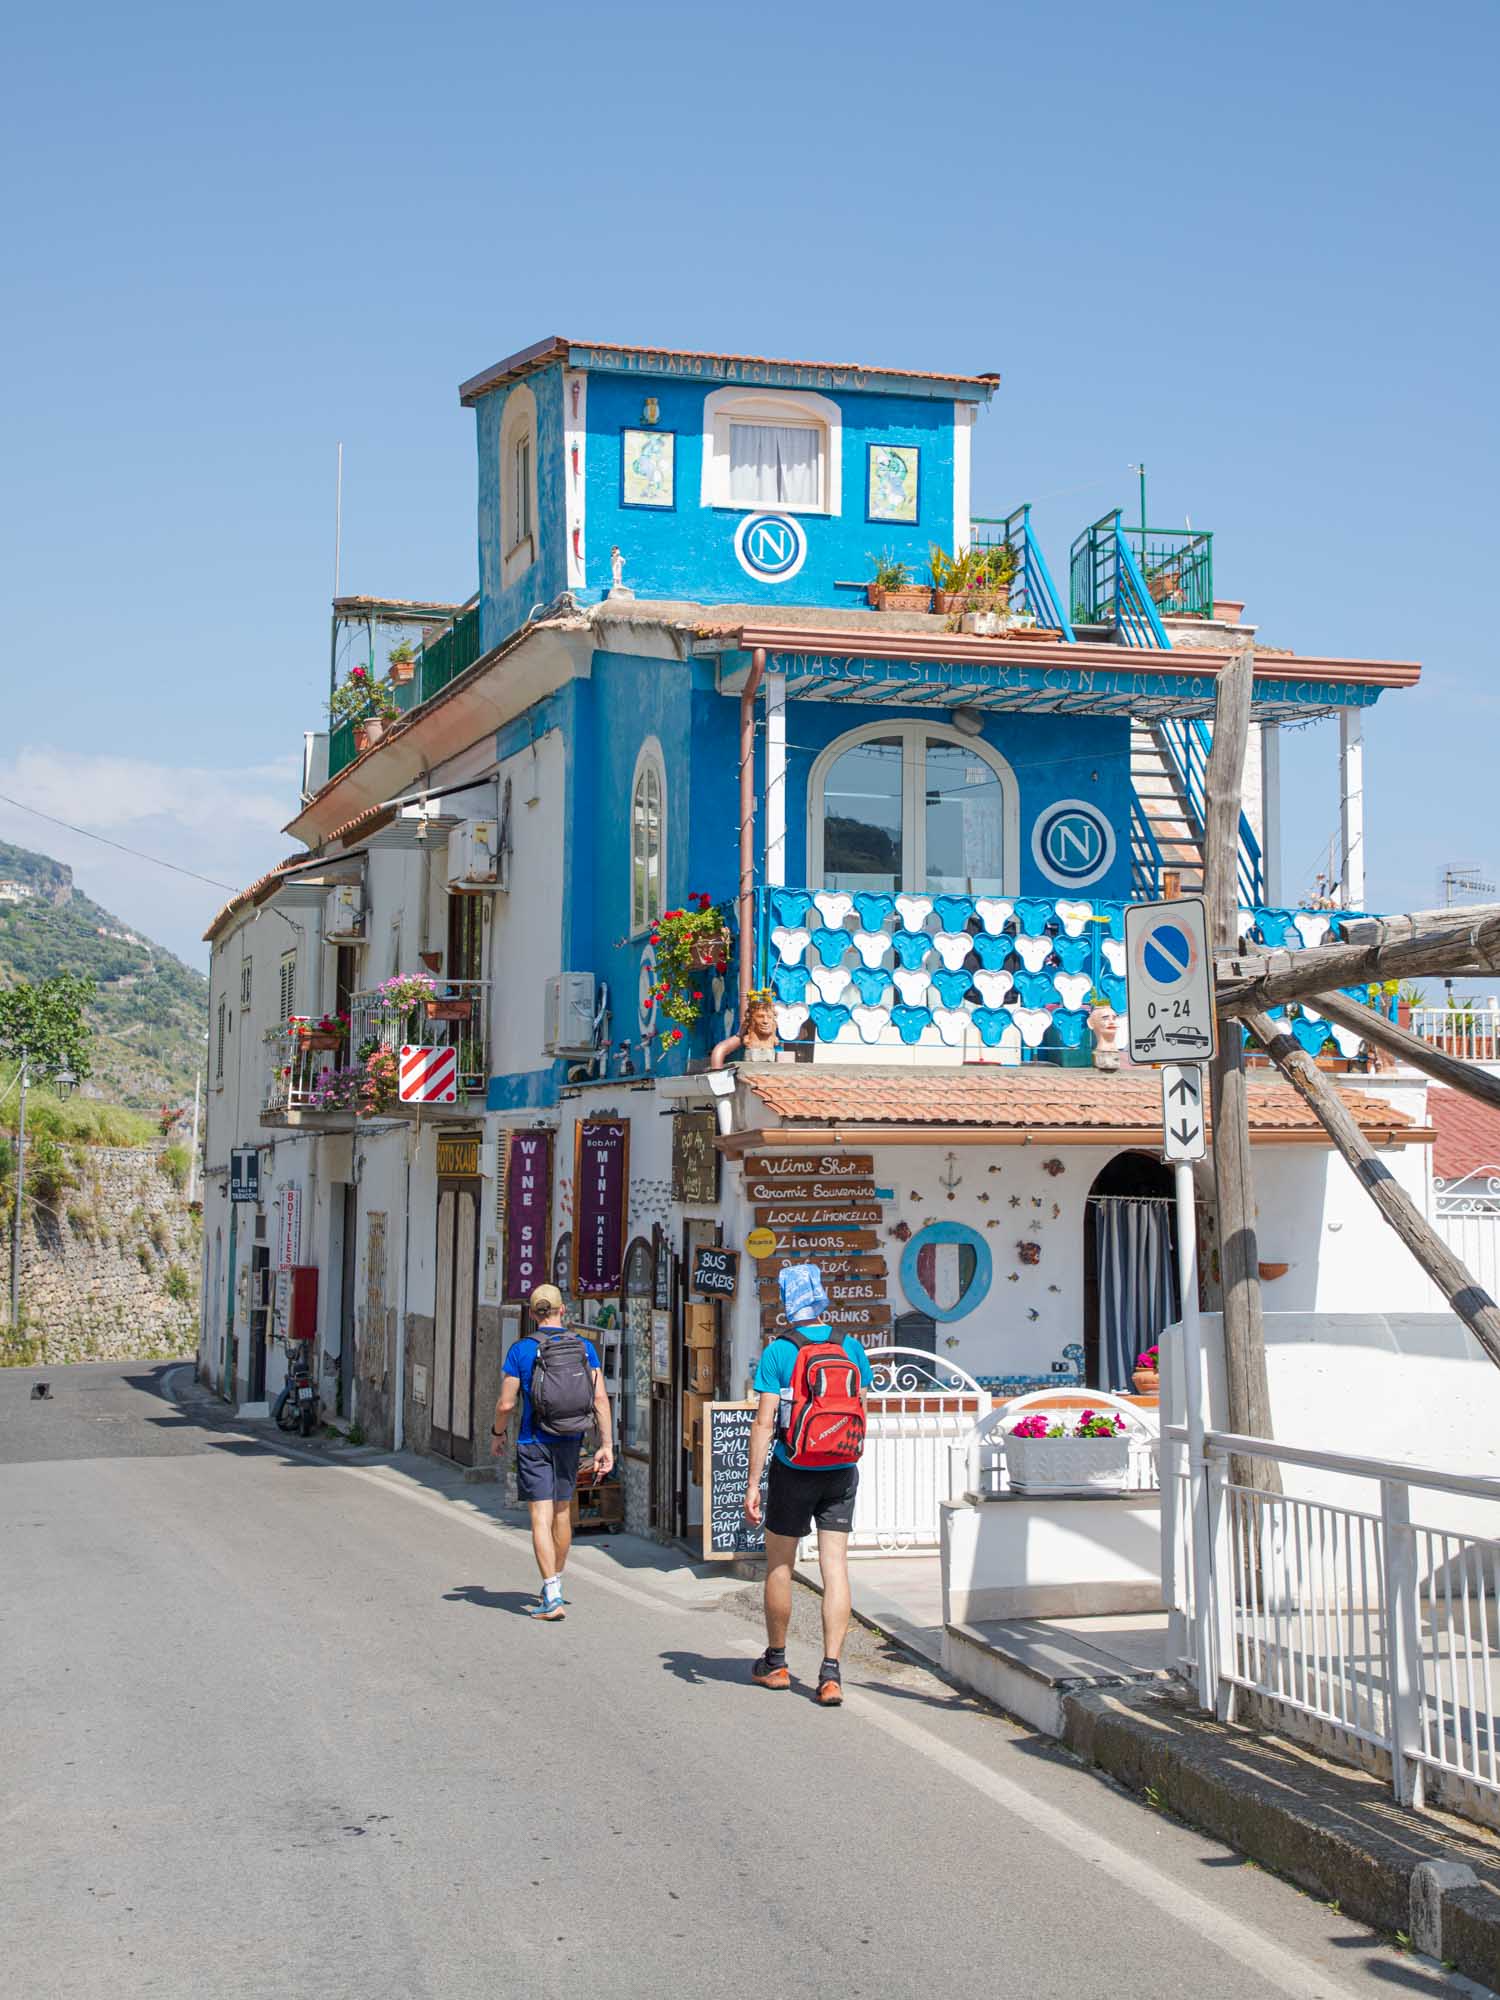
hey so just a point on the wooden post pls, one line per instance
(1249, 1394)
(1470, 1301)
(1259, 978)
(1412, 1049)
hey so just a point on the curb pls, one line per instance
(1338, 1834)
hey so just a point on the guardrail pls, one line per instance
(456, 1016)
(1470, 1032)
(1376, 1631)
(440, 661)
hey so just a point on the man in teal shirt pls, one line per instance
(796, 1497)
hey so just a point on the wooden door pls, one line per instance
(454, 1320)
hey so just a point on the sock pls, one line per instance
(546, 1580)
(776, 1656)
(830, 1671)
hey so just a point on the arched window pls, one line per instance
(518, 503)
(913, 806)
(648, 836)
(768, 449)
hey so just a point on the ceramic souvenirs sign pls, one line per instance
(601, 1172)
(528, 1200)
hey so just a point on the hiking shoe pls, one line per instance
(768, 1674)
(830, 1689)
(550, 1604)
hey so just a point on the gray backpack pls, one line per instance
(562, 1385)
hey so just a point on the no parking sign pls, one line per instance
(1169, 982)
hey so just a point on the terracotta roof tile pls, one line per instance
(1468, 1134)
(1036, 1097)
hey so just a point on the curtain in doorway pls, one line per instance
(1137, 1280)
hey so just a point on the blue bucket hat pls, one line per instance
(802, 1293)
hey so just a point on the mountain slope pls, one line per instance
(151, 1014)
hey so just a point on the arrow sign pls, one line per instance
(1184, 1139)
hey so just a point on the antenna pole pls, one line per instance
(338, 520)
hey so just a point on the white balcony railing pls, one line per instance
(301, 1077)
(1472, 1033)
(456, 1015)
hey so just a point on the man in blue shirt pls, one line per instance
(797, 1497)
(547, 1464)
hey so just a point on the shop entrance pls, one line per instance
(1129, 1266)
(454, 1320)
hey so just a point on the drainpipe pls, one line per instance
(747, 821)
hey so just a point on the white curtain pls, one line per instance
(774, 464)
(1137, 1281)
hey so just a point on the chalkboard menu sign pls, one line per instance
(715, 1270)
(726, 1532)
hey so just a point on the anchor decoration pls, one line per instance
(952, 1180)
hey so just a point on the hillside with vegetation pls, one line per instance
(150, 1014)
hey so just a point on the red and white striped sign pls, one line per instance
(428, 1076)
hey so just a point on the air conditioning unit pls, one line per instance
(568, 1014)
(474, 856)
(344, 914)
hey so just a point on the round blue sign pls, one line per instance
(1167, 954)
(1073, 843)
(770, 547)
(977, 1268)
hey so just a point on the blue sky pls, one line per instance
(1256, 247)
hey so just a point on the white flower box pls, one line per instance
(1062, 1466)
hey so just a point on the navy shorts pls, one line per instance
(802, 1497)
(548, 1469)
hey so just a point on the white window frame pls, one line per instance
(913, 736)
(219, 1044)
(518, 503)
(650, 760)
(247, 970)
(797, 407)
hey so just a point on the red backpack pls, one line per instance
(826, 1426)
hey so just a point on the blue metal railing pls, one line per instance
(1032, 590)
(1185, 745)
(1146, 861)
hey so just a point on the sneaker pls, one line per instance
(766, 1674)
(830, 1687)
(550, 1604)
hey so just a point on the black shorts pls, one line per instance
(548, 1469)
(798, 1498)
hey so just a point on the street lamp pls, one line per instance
(65, 1082)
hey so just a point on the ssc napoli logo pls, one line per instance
(770, 547)
(1073, 843)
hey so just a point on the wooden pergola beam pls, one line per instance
(1415, 924)
(1469, 1300)
(1459, 1075)
(1256, 980)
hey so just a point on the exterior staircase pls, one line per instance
(1164, 806)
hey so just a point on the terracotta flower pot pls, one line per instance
(1229, 610)
(710, 951)
(910, 597)
(321, 1040)
(449, 1010)
(402, 671)
(991, 597)
(368, 733)
(1147, 1381)
(1270, 1271)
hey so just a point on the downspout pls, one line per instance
(747, 821)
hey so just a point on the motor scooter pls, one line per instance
(296, 1408)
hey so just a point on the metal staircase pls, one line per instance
(1169, 770)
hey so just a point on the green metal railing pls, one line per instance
(1175, 568)
(455, 648)
(1032, 590)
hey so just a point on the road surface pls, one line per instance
(280, 1727)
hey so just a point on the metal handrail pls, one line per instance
(1231, 1444)
(1037, 594)
(1186, 746)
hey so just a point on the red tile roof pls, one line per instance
(1036, 1098)
(1468, 1134)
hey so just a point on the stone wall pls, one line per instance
(96, 1266)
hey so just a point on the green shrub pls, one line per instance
(48, 1176)
(160, 1232)
(174, 1163)
(143, 1257)
(81, 1219)
(84, 1121)
(177, 1284)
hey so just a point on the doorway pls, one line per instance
(260, 1318)
(454, 1320)
(1129, 1266)
(347, 1245)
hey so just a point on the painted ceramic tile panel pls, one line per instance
(893, 482)
(649, 468)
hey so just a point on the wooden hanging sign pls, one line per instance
(816, 1215)
(802, 1243)
(844, 1318)
(810, 1166)
(831, 1267)
(849, 1289)
(819, 1190)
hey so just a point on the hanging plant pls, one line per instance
(382, 1083)
(691, 945)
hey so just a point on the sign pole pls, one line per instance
(1192, 1375)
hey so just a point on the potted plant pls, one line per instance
(381, 1086)
(326, 1033)
(449, 1007)
(338, 1089)
(691, 945)
(401, 664)
(1043, 1456)
(978, 580)
(891, 588)
(1146, 1375)
(367, 703)
(400, 997)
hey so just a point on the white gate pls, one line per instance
(919, 1407)
(1467, 1215)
